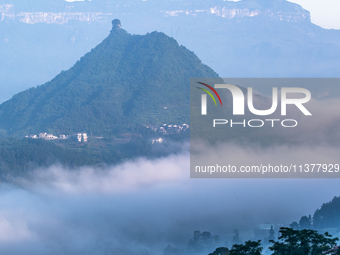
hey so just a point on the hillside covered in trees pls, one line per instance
(124, 81)
(19, 156)
(327, 216)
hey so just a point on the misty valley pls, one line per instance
(101, 120)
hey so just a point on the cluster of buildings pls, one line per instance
(170, 129)
(81, 137)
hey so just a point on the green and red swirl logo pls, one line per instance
(209, 93)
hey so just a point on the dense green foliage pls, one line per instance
(306, 241)
(249, 248)
(126, 80)
(291, 242)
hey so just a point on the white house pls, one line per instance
(79, 137)
(159, 140)
(42, 135)
(51, 137)
(85, 137)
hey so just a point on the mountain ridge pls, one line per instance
(61, 12)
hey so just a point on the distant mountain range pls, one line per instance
(249, 38)
(126, 80)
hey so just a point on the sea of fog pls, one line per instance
(141, 206)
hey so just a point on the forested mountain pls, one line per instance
(124, 81)
(328, 216)
(325, 217)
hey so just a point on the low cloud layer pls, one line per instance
(128, 177)
(141, 206)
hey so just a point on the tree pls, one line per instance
(294, 225)
(305, 222)
(203, 241)
(249, 248)
(220, 251)
(328, 216)
(271, 233)
(172, 251)
(306, 241)
(236, 237)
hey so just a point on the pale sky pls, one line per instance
(324, 13)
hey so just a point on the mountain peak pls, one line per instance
(116, 24)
